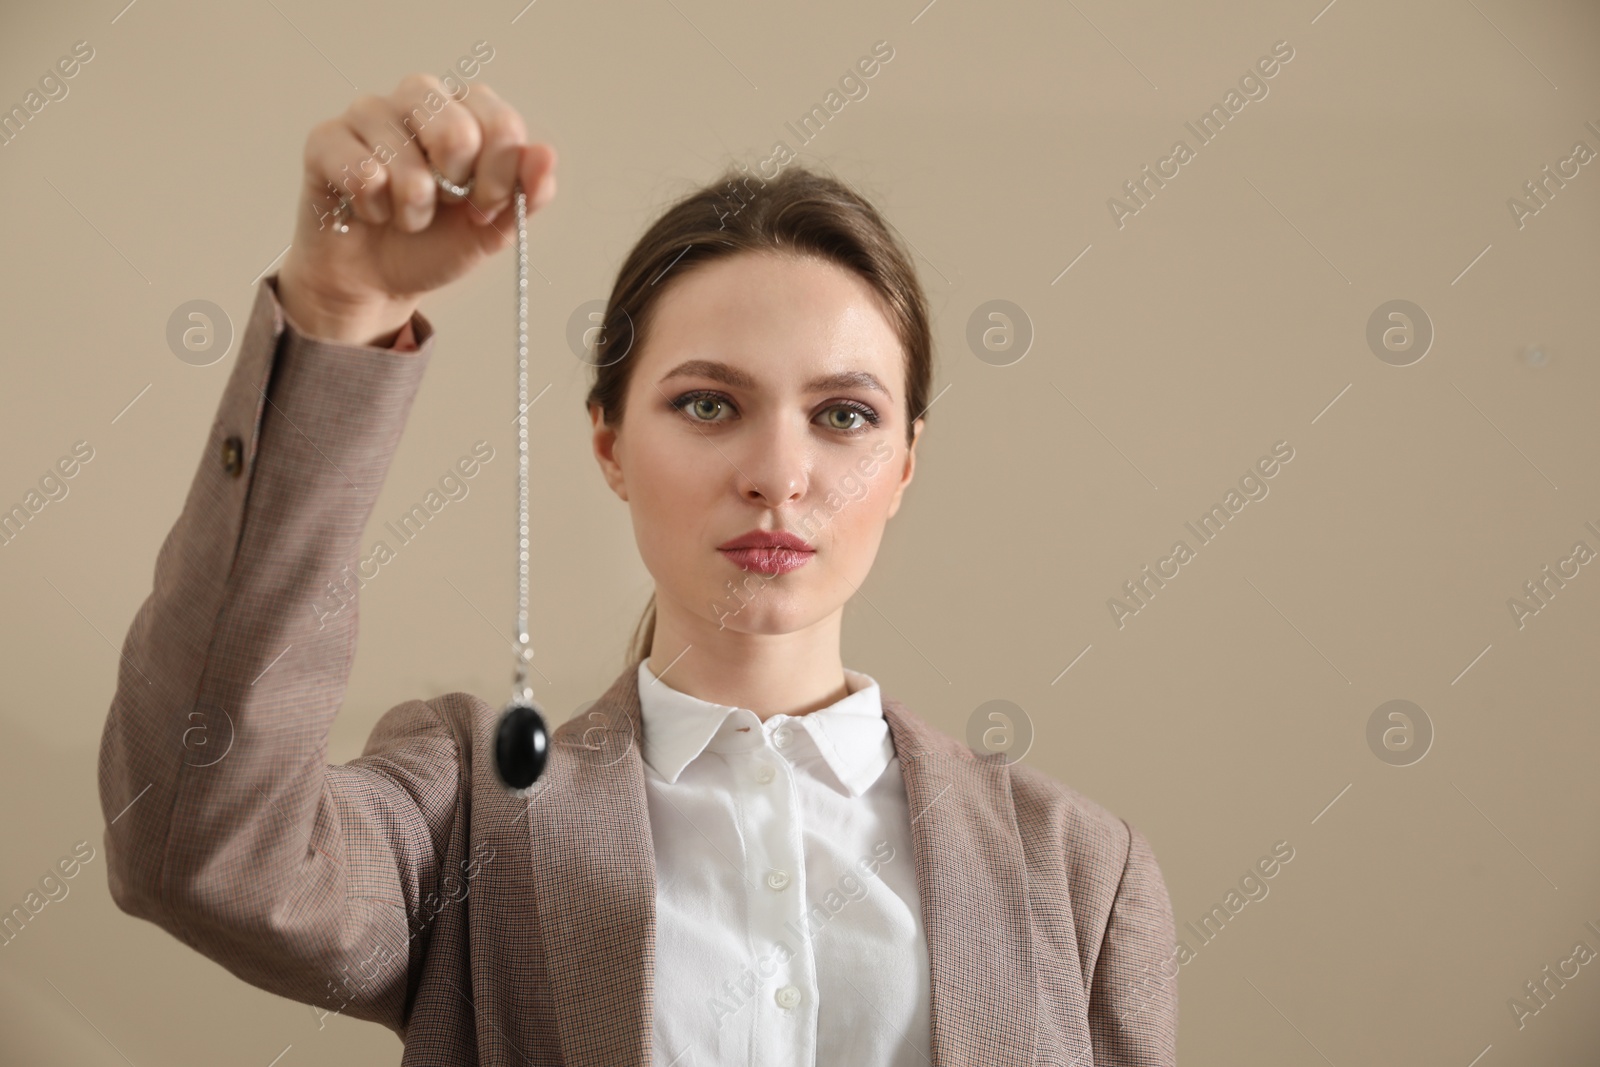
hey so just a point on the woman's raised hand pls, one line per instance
(407, 236)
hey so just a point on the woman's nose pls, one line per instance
(775, 466)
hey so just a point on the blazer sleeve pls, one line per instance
(1133, 999)
(225, 824)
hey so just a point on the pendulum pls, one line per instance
(522, 742)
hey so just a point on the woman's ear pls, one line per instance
(605, 451)
(909, 469)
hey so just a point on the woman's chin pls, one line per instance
(776, 615)
(764, 625)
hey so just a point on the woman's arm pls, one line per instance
(225, 825)
(1133, 1000)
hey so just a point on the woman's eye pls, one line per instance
(851, 418)
(700, 407)
(845, 418)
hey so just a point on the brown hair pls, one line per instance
(798, 212)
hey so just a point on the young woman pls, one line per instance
(743, 851)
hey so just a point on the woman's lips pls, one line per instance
(771, 561)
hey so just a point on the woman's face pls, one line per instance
(769, 396)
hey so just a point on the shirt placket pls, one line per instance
(786, 1007)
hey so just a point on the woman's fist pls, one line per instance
(407, 235)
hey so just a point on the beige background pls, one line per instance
(1226, 316)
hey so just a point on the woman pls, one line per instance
(692, 880)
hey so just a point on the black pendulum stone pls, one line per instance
(522, 745)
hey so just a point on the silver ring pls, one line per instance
(461, 191)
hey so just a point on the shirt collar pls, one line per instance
(851, 734)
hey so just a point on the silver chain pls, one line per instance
(521, 690)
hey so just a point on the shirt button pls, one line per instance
(777, 879)
(765, 774)
(233, 456)
(787, 997)
(780, 738)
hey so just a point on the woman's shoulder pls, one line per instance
(1107, 862)
(1050, 814)
(1050, 807)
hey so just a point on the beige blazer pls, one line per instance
(406, 887)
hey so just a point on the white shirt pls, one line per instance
(788, 925)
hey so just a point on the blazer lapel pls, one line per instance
(595, 882)
(972, 879)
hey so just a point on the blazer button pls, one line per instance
(233, 456)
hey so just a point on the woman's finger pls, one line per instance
(339, 164)
(450, 139)
(539, 175)
(502, 134)
(409, 125)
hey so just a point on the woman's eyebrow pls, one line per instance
(730, 375)
(850, 379)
